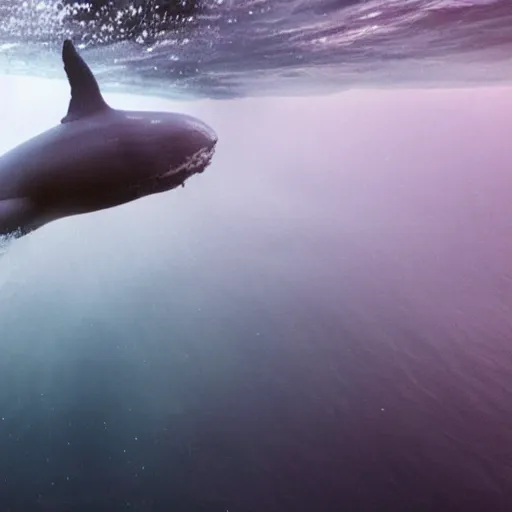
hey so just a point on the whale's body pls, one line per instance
(98, 157)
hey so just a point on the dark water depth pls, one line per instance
(319, 322)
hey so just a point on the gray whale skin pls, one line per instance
(98, 157)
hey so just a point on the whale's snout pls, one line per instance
(181, 146)
(199, 133)
(197, 146)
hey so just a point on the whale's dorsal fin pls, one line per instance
(86, 98)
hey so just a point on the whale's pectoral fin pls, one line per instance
(17, 215)
(86, 98)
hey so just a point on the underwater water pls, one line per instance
(319, 322)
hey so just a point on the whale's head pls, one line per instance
(168, 148)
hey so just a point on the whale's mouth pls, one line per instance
(176, 175)
(194, 164)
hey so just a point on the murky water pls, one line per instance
(321, 321)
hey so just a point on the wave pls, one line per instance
(225, 48)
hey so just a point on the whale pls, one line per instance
(98, 157)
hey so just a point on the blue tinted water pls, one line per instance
(321, 321)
